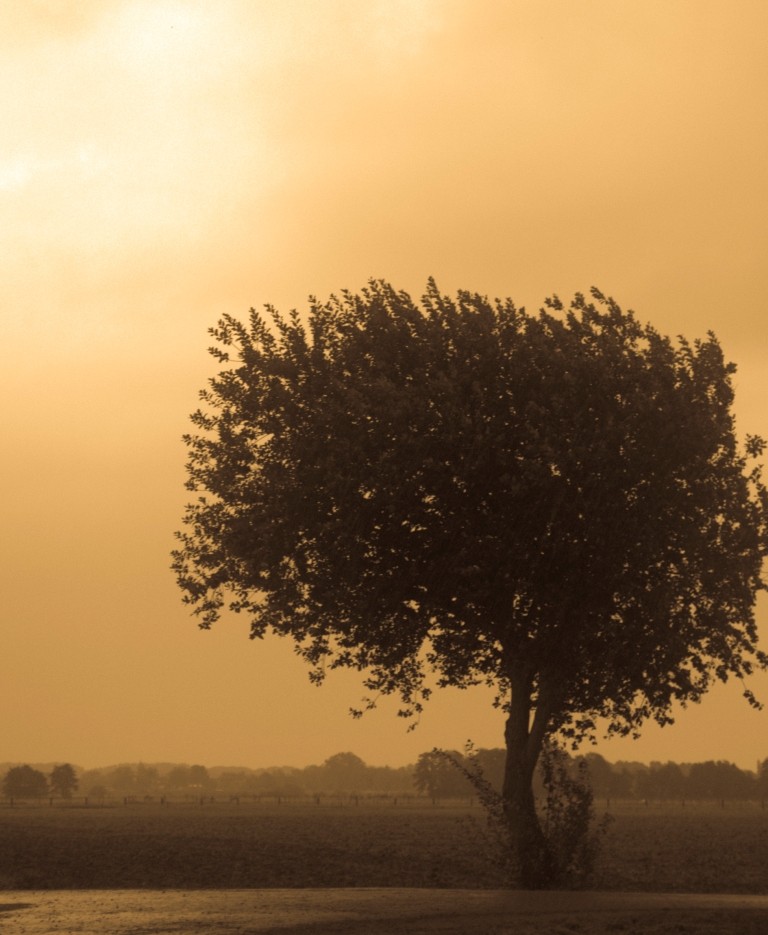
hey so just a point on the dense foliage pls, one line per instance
(555, 504)
(25, 782)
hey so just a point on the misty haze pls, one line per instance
(464, 627)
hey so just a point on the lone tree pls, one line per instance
(456, 491)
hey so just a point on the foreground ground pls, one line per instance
(366, 869)
(696, 849)
(377, 912)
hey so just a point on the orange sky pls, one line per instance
(164, 162)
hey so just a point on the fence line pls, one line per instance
(334, 800)
(324, 800)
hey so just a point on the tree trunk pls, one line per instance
(524, 743)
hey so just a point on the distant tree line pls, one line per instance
(341, 774)
(712, 779)
(347, 774)
(437, 777)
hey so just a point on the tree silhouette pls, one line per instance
(555, 504)
(25, 782)
(437, 776)
(63, 780)
(345, 772)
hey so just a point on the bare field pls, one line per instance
(655, 849)
(697, 849)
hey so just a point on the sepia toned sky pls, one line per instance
(163, 162)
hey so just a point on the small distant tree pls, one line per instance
(63, 780)
(24, 782)
(457, 492)
(345, 772)
(441, 774)
(600, 774)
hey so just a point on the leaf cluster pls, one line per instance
(459, 487)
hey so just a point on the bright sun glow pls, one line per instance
(15, 174)
(148, 33)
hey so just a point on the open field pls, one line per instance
(655, 849)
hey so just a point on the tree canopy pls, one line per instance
(554, 503)
(63, 780)
(25, 782)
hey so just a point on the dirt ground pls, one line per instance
(376, 912)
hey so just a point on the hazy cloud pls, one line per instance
(163, 162)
